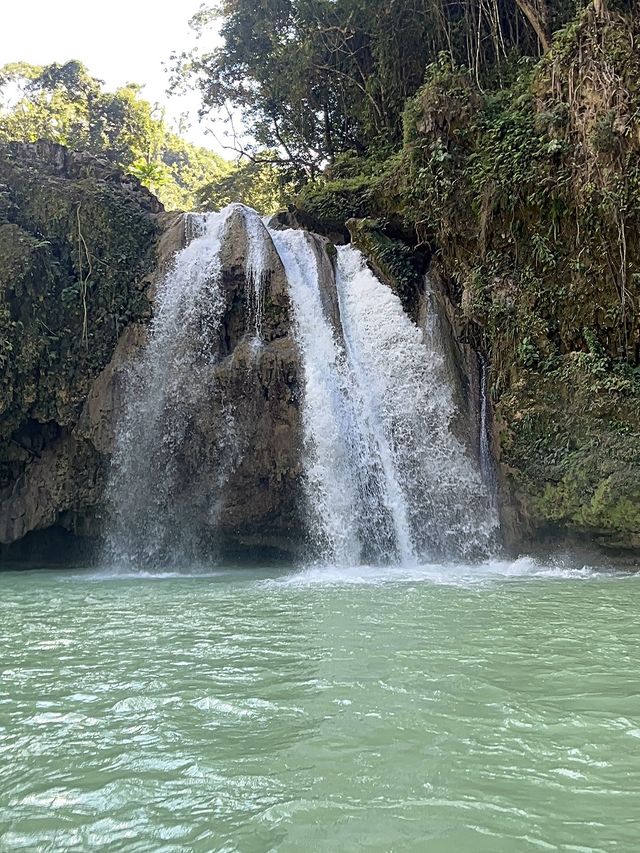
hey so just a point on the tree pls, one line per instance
(537, 13)
(311, 77)
(258, 185)
(316, 78)
(65, 104)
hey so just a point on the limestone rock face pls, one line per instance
(249, 434)
(65, 467)
(261, 503)
(235, 476)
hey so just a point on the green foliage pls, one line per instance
(534, 216)
(64, 104)
(573, 448)
(331, 203)
(256, 184)
(73, 255)
(313, 79)
(189, 168)
(353, 187)
(304, 75)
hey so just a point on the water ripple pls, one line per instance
(400, 710)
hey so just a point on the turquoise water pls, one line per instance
(493, 708)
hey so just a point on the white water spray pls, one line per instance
(447, 506)
(386, 478)
(327, 417)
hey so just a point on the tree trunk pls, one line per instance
(328, 140)
(536, 12)
(601, 8)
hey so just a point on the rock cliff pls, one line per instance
(77, 254)
(520, 203)
(523, 201)
(83, 249)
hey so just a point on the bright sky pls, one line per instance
(120, 41)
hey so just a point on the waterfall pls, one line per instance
(149, 484)
(484, 444)
(385, 478)
(356, 508)
(256, 269)
(446, 510)
(145, 522)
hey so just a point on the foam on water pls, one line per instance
(448, 574)
(119, 574)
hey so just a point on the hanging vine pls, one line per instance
(83, 249)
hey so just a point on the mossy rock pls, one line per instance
(396, 263)
(76, 242)
(326, 207)
(571, 452)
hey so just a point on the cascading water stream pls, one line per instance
(147, 492)
(386, 479)
(142, 486)
(330, 477)
(256, 267)
(484, 445)
(443, 504)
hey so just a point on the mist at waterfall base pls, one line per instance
(387, 481)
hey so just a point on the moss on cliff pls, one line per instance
(351, 188)
(570, 448)
(76, 240)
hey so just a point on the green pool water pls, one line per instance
(437, 708)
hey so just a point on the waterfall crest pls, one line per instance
(254, 331)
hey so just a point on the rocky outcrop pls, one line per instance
(260, 379)
(56, 456)
(77, 259)
(260, 503)
(65, 467)
(239, 467)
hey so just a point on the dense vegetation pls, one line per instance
(76, 247)
(66, 105)
(317, 78)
